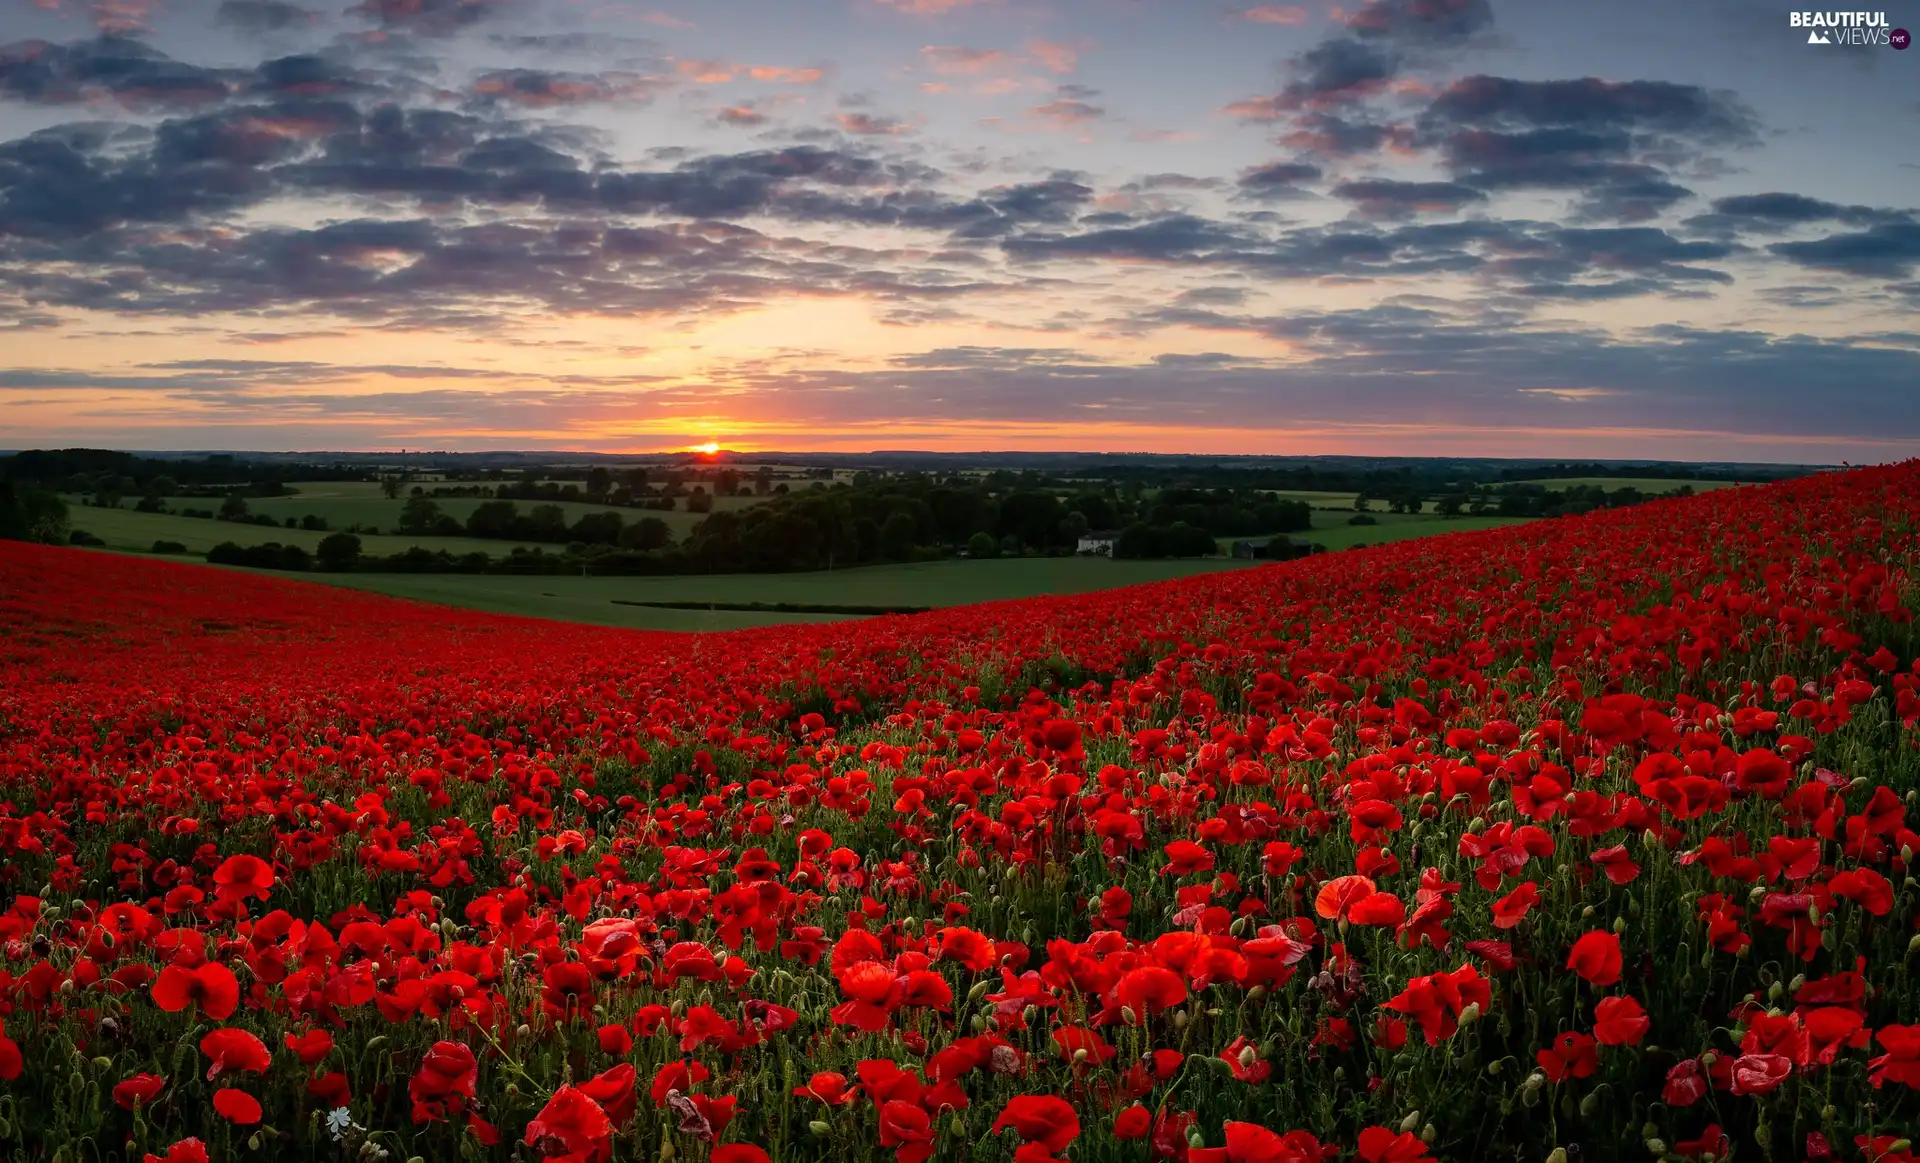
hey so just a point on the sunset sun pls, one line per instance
(707, 449)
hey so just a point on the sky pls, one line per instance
(1406, 227)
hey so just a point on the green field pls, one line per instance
(1651, 485)
(936, 583)
(1330, 528)
(126, 529)
(344, 503)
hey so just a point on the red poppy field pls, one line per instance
(1586, 839)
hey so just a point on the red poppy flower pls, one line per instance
(908, 1129)
(572, 1127)
(739, 1153)
(311, 1046)
(1340, 894)
(828, 1087)
(1596, 958)
(1150, 989)
(212, 987)
(1511, 909)
(1572, 1055)
(1132, 1123)
(1044, 1119)
(1619, 1021)
(185, 1151)
(141, 1088)
(240, 877)
(236, 1106)
(1380, 1145)
(232, 1049)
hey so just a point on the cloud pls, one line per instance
(542, 89)
(927, 7)
(1601, 139)
(1386, 198)
(426, 17)
(1774, 213)
(1055, 56)
(1290, 14)
(1070, 109)
(1278, 180)
(954, 60)
(869, 124)
(1686, 112)
(264, 16)
(120, 69)
(1888, 250)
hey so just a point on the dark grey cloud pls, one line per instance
(1889, 250)
(263, 16)
(1386, 198)
(123, 69)
(1679, 111)
(1776, 213)
(1279, 180)
(427, 17)
(1608, 142)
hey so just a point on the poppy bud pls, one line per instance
(1494, 1067)
(1256, 993)
(1586, 913)
(819, 1128)
(667, 1151)
(1128, 1016)
(1648, 1130)
(1774, 991)
(1411, 1121)
(1589, 1104)
(1619, 925)
(1248, 1058)
(523, 1030)
(1080, 1056)
(1650, 838)
(1828, 1112)
(103, 1063)
(1535, 1081)
(977, 1023)
(1429, 1133)
(1471, 1014)
(1180, 1018)
(1657, 1146)
(1557, 1155)
(1763, 1134)
(957, 1127)
(978, 991)
(1194, 1141)
(1897, 1146)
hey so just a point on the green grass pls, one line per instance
(936, 583)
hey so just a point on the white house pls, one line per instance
(1098, 541)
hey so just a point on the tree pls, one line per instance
(32, 515)
(599, 481)
(338, 552)
(419, 515)
(1450, 505)
(234, 508)
(599, 528)
(493, 519)
(896, 536)
(700, 502)
(647, 533)
(982, 544)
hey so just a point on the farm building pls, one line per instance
(1098, 542)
